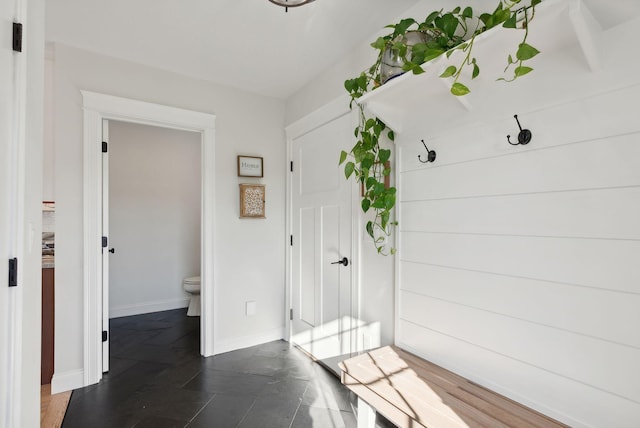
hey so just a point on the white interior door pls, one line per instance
(105, 249)
(321, 288)
(6, 208)
(10, 109)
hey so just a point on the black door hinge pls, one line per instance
(291, 314)
(105, 242)
(104, 147)
(17, 37)
(105, 336)
(13, 272)
(291, 240)
(291, 166)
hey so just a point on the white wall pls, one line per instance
(376, 272)
(519, 264)
(329, 84)
(154, 217)
(249, 263)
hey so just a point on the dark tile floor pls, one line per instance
(158, 379)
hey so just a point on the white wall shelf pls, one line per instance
(402, 98)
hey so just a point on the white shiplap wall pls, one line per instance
(519, 267)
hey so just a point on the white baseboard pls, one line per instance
(247, 341)
(148, 307)
(61, 382)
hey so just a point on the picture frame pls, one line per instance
(250, 166)
(252, 200)
(387, 181)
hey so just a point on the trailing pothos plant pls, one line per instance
(446, 33)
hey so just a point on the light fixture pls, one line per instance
(290, 3)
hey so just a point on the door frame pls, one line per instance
(333, 110)
(16, 206)
(96, 108)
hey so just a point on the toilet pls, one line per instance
(192, 286)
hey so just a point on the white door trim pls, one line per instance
(14, 122)
(96, 108)
(331, 111)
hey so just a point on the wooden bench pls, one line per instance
(412, 392)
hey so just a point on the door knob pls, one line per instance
(343, 262)
(113, 250)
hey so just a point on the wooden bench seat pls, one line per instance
(412, 392)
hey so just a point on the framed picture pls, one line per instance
(387, 164)
(252, 200)
(250, 166)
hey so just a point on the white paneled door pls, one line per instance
(322, 265)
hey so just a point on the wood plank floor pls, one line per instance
(52, 407)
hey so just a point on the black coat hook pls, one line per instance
(523, 137)
(431, 154)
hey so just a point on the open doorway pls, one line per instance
(99, 108)
(154, 217)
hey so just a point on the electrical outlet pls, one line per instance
(250, 308)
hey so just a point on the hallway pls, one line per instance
(158, 379)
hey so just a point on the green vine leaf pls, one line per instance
(384, 155)
(391, 136)
(369, 124)
(343, 157)
(367, 161)
(432, 16)
(366, 203)
(369, 228)
(449, 24)
(370, 182)
(389, 202)
(378, 203)
(458, 89)
(403, 26)
(380, 43)
(512, 22)
(349, 168)
(450, 71)
(522, 70)
(476, 71)
(415, 68)
(526, 52)
(348, 85)
(362, 82)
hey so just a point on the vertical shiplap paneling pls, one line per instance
(520, 266)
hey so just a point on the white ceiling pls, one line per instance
(248, 44)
